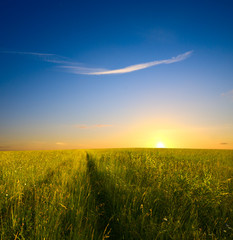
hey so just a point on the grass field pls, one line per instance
(116, 194)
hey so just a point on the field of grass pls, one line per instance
(116, 194)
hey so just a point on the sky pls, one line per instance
(116, 74)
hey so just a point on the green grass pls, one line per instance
(116, 194)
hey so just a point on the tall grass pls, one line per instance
(168, 194)
(116, 194)
(44, 195)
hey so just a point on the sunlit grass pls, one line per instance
(44, 195)
(116, 194)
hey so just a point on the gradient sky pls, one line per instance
(93, 74)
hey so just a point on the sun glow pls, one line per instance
(160, 145)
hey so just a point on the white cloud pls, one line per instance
(137, 67)
(82, 70)
(74, 67)
(132, 68)
(46, 57)
(30, 53)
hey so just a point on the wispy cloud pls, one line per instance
(30, 53)
(46, 57)
(84, 126)
(76, 68)
(137, 67)
(132, 68)
(82, 70)
(224, 143)
(228, 94)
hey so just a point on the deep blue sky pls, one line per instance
(183, 104)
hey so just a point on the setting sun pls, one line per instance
(160, 145)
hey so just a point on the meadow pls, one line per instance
(116, 194)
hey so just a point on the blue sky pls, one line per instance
(49, 100)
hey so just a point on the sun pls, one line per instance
(160, 145)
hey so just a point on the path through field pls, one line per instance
(104, 205)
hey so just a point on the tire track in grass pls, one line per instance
(107, 223)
